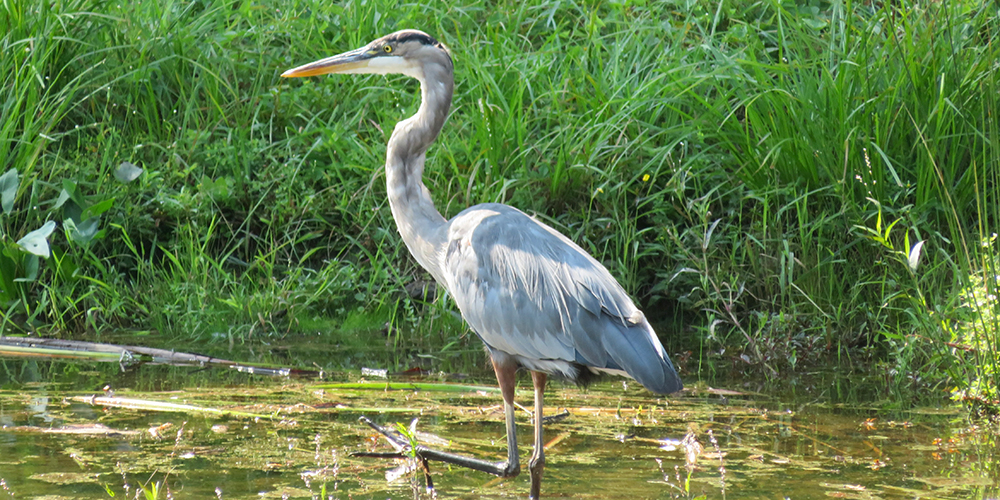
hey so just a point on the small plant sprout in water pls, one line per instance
(693, 451)
(676, 483)
(152, 490)
(722, 465)
(410, 433)
(5, 488)
(325, 473)
(692, 448)
(177, 441)
(413, 462)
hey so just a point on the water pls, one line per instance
(291, 438)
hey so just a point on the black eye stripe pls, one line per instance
(407, 36)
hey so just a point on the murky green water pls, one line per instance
(291, 439)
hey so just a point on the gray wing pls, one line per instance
(530, 292)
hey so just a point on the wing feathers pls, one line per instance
(529, 291)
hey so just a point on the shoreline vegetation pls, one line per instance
(779, 185)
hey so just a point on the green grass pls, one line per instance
(754, 172)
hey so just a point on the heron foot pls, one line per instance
(405, 449)
(536, 466)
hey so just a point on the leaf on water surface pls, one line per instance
(410, 386)
(906, 492)
(381, 409)
(954, 482)
(36, 242)
(74, 429)
(945, 410)
(721, 392)
(89, 430)
(143, 404)
(851, 491)
(65, 477)
(127, 172)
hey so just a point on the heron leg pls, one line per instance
(537, 463)
(507, 379)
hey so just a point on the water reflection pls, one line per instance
(616, 443)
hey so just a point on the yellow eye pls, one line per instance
(387, 48)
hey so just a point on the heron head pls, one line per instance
(405, 52)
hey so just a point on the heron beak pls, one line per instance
(355, 61)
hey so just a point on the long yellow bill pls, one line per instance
(355, 61)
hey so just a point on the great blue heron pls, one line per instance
(535, 298)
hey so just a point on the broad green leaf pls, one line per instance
(98, 208)
(83, 232)
(69, 185)
(36, 242)
(63, 197)
(217, 189)
(30, 269)
(816, 24)
(127, 172)
(9, 183)
(72, 210)
(8, 271)
(71, 200)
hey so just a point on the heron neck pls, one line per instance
(419, 222)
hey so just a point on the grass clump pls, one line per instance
(778, 184)
(975, 336)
